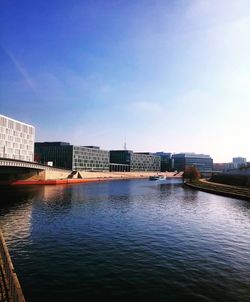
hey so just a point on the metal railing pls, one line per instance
(13, 289)
(10, 162)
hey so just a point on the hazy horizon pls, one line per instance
(170, 76)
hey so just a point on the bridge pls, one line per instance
(13, 169)
(7, 162)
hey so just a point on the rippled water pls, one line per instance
(127, 240)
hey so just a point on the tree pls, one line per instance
(191, 173)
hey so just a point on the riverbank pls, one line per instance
(221, 189)
(91, 177)
(10, 289)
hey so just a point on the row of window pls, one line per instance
(6, 152)
(96, 155)
(145, 158)
(78, 150)
(91, 161)
(145, 167)
(92, 167)
(16, 145)
(79, 158)
(13, 125)
(17, 140)
(140, 162)
(15, 133)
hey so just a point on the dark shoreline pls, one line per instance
(219, 189)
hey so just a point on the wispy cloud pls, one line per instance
(21, 69)
(181, 66)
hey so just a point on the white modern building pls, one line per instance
(16, 139)
(239, 162)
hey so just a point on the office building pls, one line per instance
(165, 161)
(239, 162)
(16, 139)
(64, 155)
(120, 160)
(126, 160)
(90, 158)
(145, 161)
(202, 162)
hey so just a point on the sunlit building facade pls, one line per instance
(16, 139)
(127, 160)
(64, 155)
(145, 162)
(202, 162)
(239, 162)
(165, 161)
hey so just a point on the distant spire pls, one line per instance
(125, 145)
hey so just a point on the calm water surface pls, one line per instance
(127, 240)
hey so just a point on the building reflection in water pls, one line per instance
(16, 212)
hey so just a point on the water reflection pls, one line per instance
(16, 212)
(11, 195)
(190, 195)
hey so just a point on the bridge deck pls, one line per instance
(8, 162)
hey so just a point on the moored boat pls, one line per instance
(157, 177)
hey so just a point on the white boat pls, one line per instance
(157, 177)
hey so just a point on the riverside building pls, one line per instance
(202, 162)
(145, 161)
(126, 160)
(16, 139)
(120, 160)
(165, 161)
(239, 162)
(64, 155)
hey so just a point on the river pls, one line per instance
(127, 239)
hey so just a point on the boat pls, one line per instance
(157, 177)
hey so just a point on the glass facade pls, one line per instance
(201, 161)
(120, 157)
(59, 153)
(165, 161)
(64, 155)
(132, 161)
(120, 160)
(239, 162)
(90, 158)
(16, 139)
(145, 162)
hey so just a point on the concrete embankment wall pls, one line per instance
(65, 174)
(57, 174)
(35, 175)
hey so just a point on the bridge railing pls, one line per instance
(13, 289)
(10, 162)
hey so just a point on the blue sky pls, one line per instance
(168, 76)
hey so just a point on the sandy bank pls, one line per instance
(122, 175)
(88, 177)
